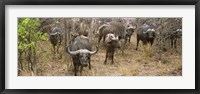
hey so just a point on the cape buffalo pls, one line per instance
(174, 36)
(117, 28)
(146, 34)
(111, 45)
(102, 33)
(80, 51)
(56, 38)
(129, 30)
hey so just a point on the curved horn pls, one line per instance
(55, 33)
(72, 52)
(107, 24)
(147, 31)
(180, 30)
(135, 26)
(94, 52)
(130, 27)
(153, 30)
(115, 38)
(144, 32)
(97, 32)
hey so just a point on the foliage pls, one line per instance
(28, 36)
(28, 33)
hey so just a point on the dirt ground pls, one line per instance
(147, 61)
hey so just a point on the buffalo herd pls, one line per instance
(80, 47)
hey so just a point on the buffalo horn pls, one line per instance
(115, 38)
(54, 33)
(147, 31)
(134, 27)
(153, 30)
(72, 52)
(130, 27)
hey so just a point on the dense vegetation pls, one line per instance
(28, 36)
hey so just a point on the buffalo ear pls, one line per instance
(154, 34)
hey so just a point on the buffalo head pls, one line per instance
(150, 33)
(129, 30)
(112, 40)
(178, 32)
(83, 55)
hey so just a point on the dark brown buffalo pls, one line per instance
(118, 28)
(111, 45)
(56, 38)
(129, 30)
(81, 51)
(174, 36)
(146, 34)
(102, 32)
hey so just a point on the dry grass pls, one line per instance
(147, 61)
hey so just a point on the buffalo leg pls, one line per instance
(58, 49)
(175, 43)
(59, 42)
(81, 70)
(137, 44)
(129, 40)
(54, 49)
(112, 57)
(151, 42)
(75, 69)
(106, 57)
(89, 64)
(171, 43)
(125, 41)
(100, 37)
(104, 37)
